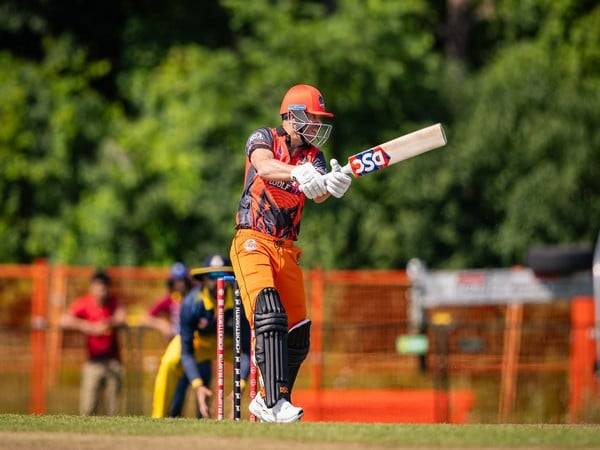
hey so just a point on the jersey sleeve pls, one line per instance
(261, 138)
(188, 321)
(160, 307)
(77, 309)
(319, 163)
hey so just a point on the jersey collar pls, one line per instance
(281, 132)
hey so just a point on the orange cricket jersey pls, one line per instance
(263, 253)
(275, 207)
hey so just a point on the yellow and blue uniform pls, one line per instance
(188, 357)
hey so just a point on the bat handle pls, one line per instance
(347, 170)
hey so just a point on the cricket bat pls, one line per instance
(396, 150)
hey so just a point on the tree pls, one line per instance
(138, 158)
(165, 178)
(176, 186)
(52, 122)
(526, 149)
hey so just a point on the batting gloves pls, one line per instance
(336, 181)
(311, 182)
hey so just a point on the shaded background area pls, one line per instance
(122, 128)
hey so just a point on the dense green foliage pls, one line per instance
(122, 132)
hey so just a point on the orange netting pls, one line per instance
(486, 364)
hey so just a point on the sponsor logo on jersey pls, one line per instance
(257, 139)
(250, 245)
(287, 186)
(369, 161)
(256, 136)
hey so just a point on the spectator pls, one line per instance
(97, 315)
(163, 316)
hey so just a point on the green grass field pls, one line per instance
(49, 432)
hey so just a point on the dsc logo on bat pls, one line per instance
(369, 161)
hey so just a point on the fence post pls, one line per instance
(510, 360)
(441, 326)
(57, 302)
(317, 278)
(39, 306)
(581, 366)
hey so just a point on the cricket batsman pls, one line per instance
(284, 167)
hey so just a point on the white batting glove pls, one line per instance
(310, 181)
(314, 188)
(337, 182)
(304, 173)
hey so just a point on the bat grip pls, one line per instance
(347, 170)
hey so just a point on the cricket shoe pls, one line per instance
(282, 412)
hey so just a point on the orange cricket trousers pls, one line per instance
(261, 261)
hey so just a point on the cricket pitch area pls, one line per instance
(109, 433)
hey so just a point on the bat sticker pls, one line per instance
(369, 161)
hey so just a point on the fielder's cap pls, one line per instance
(305, 97)
(215, 266)
(178, 271)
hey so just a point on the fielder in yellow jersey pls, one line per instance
(188, 358)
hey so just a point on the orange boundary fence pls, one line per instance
(48, 299)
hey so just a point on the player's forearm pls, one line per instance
(188, 362)
(188, 322)
(119, 318)
(274, 170)
(156, 323)
(69, 322)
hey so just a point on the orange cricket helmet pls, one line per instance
(305, 97)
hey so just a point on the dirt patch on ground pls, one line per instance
(75, 441)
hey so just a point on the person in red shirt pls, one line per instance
(163, 315)
(97, 315)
